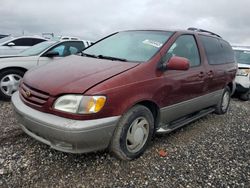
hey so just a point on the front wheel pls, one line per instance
(224, 102)
(133, 134)
(9, 82)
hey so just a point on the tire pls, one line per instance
(245, 96)
(133, 134)
(9, 82)
(224, 102)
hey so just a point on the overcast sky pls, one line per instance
(93, 19)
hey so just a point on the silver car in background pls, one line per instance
(12, 68)
(14, 45)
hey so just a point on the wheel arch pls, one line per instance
(232, 87)
(154, 108)
(14, 67)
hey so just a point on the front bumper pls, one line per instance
(242, 84)
(74, 136)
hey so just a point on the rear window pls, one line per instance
(218, 51)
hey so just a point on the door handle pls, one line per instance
(210, 74)
(201, 75)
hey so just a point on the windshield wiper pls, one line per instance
(89, 55)
(104, 57)
(111, 58)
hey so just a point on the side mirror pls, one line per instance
(11, 44)
(52, 54)
(177, 63)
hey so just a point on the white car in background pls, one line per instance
(243, 74)
(12, 68)
(2, 36)
(14, 45)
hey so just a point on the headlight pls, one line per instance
(243, 72)
(79, 104)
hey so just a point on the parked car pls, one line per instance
(12, 68)
(14, 45)
(2, 36)
(86, 42)
(243, 74)
(127, 87)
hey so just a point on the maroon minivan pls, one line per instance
(125, 88)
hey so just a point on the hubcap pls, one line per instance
(137, 134)
(225, 101)
(10, 83)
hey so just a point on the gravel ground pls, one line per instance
(211, 152)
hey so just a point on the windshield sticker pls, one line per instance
(152, 43)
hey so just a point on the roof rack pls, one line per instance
(202, 30)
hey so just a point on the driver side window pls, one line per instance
(185, 46)
(59, 49)
(68, 48)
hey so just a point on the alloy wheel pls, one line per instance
(9, 83)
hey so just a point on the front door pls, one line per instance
(185, 90)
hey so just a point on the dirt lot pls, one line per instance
(211, 152)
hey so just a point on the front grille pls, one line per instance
(33, 96)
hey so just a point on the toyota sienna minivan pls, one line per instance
(124, 89)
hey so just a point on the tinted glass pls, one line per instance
(36, 41)
(227, 52)
(23, 42)
(130, 45)
(242, 56)
(218, 51)
(213, 48)
(185, 46)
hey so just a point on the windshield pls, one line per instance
(242, 56)
(5, 39)
(37, 49)
(129, 45)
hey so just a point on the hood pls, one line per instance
(74, 74)
(240, 65)
(15, 58)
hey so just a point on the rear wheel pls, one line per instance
(224, 102)
(133, 133)
(9, 82)
(245, 96)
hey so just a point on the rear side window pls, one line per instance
(227, 51)
(218, 51)
(36, 41)
(23, 42)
